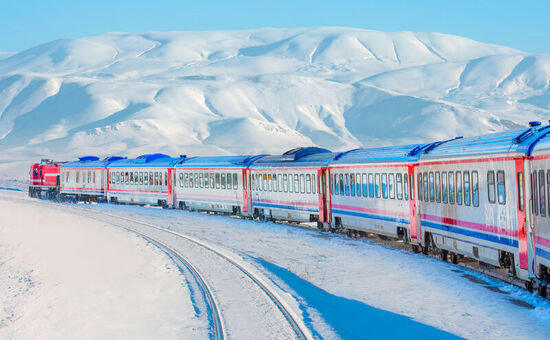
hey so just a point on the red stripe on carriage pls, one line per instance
(472, 225)
(542, 241)
(153, 192)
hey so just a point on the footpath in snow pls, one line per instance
(67, 277)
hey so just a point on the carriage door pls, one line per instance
(246, 191)
(324, 208)
(521, 214)
(171, 190)
(413, 210)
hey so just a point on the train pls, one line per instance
(485, 197)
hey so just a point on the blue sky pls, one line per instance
(519, 24)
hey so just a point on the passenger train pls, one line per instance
(483, 197)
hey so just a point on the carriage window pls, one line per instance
(458, 187)
(335, 184)
(223, 181)
(150, 178)
(377, 184)
(93, 177)
(371, 185)
(141, 177)
(127, 178)
(89, 177)
(444, 191)
(475, 189)
(290, 183)
(136, 178)
(352, 184)
(235, 182)
(501, 187)
(212, 180)
(542, 197)
(521, 189)
(268, 183)
(438, 187)
(195, 179)
(411, 186)
(384, 185)
(392, 186)
(358, 183)
(285, 183)
(491, 194)
(186, 180)
(346, 184)
(180, 179)
(451, 187)
(302, 183)
(275, 188)
(534, 193)
(145, 178)
(117, 177)
(156, 178)
(229, 183)
(313, 184)
(466, 187)
(420, 186)
(399, 186)
(406, 186)
(341, 184)
(365, 184)
(296, 183)
(308, 183)
(432, 187)
(217, 181)
(131, 178)
(425, 180)
(548, 191)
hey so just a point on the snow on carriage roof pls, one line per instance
(220, 161)
(91, 162)
(387, 154)
(150, 160)
(303, 156)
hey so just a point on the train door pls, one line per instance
(521, 210)
(246, 191)
(324, 197)
(414, 206)
(171, 181)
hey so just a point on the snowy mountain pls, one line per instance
(265, 90)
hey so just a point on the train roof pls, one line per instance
(388, 154)
(305, 156)
(220, 161)
(154, 160)
(91, 162)
(511, 141)
(543, 144)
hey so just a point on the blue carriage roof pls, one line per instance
(219, 161)
(150, 160)
(543, 144)
(309, 156)
(511, 141)
(388, 154)
(90, 162)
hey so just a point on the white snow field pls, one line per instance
(343, 288)
(67, 277)
(263, 90)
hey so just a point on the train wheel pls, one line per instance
(529, 286)
(444, 255)
(543, 290)
(415, 248)
(454, 258)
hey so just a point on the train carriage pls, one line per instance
(216, 184)
(540, 184)
(143, 180)
(471, 194)
(291, 186)
(372, 190)
(86, 179)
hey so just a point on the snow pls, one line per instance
(258, 91)
(63, 276)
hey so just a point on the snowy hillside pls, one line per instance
(264, 90)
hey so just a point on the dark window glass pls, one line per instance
(377, 184)
(352, 184)
(521, 193)
(371, 185)
(235, 182)
(420, 186)
(437, 187)
(432, 187)
(548, 191)
(475, 189)
(542, 193)
(399, 185)
(213, 180)
(346, 176)
(358, 183)
(391, 185)
(466, 187)
(458, 187)
(308, 183)
(296, 183)
(534, 193)
(302, 183)
(451, 187)
(491, 187)
(365, 185)
(218, 180)
(406, 186)
(426, 186)
(384, 185)
(444, 187)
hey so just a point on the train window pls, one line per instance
(141, 177)
(156, 178)
(229, 183)
(458, 187)
(180, 179)
(308, 183)
(358, 183)
(150, 178)
(195, 179)
(451, 187)
(352, 184)
(534, 193)
(285, 182)
(399, 186)
(341, 184)
(117, 177)
(491, 193)
(542, 195)
(371, 185)
(186, 180)
(384, 185)
(377, 185)
(201, 180)
(365, 184)
(131, 178)
(444, 187)
(290, 183)
(296, 183)
(432, 186)
(334, 180)
(521, 189)
(136, 178)
(391, 186)
(263, 182)
(223, 181)
(420, 186)
(93, 177)
(426, 186)
(126, 178)
(475, 189)
(268, 183)
(501, 187)
(346, 184)
(191, 180)
(466, 187)
(145, 178)
(217, 176)
(212, 180)
(235, 182)
(274, 183)
(406, 186)
(437, 187)
(411, 186)
(548, 191)
(89, 177)
(313, 184)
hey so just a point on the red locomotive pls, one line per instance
(44, 179)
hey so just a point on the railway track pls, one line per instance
(293, 320)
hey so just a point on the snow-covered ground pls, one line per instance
(67, 277)
(258, 91)
(344, 288)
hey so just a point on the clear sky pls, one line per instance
(522, 24)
